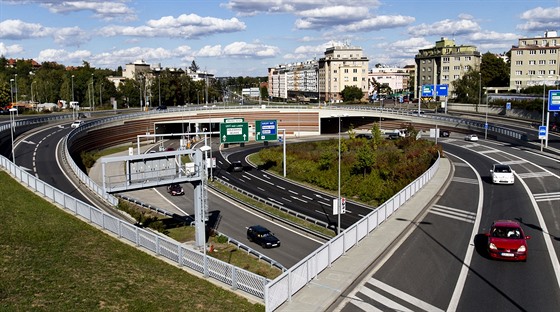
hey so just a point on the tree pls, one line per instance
(495, 72)
(467, 88)
(352, 93)
(194, 67)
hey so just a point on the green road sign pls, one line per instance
(266, 130)
(234, 132)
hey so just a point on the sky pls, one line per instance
(246, 37)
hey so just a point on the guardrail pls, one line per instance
(286, 285)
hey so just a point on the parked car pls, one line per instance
(507, 241)
(444, 133)
(76, 124)
(175, 190)
(161, 107)
(236, 166)
(471, 137)
(364, 136)
(262, 236)
(502, 174)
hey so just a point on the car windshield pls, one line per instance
(504, 232)
(502, 169)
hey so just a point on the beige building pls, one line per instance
(535, 61)
(444, 63)
(296, 81)
(342, 66)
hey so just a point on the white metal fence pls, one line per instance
(286, 285)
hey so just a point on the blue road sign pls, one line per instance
(553, 100)
(508, 105)
(442, 90)
(486, 125)
(542, 132)
(427, 90)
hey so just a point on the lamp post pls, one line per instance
(339, 199)
(13, 111)
(15, 81)
(486, 120)
(11, 91)
(543, 107)
(72, 88)
(479, 89)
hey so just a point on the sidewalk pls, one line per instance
(320, 294)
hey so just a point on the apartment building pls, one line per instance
(397, 79)
(444, 63)
(535, 61)
(340, 67)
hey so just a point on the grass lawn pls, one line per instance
(51, 261)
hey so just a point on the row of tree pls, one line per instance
(51, 82)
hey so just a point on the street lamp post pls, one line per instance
(13, 111)
(11, 91)
(339, 199)
(16, 85)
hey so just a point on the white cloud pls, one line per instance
(377, 23)
(247, 50)
(183, 26)
(445, 27)
(70, 36)
(10, 50)
(17, 29)
(106, 10)
(493, 37)
(63, 57)
(540, 19)
(252, 7)
(210, 51)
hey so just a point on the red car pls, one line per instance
(507, 241)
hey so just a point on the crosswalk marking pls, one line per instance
(514, 162)
(528, 175)
(453, 213)
(488, 151)
(395, 306)
(547, 197)
(465, 180)
(460, 164)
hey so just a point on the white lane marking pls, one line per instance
(285, 199)
(404, 296)
(547, 196)
(462, 279)
(453, 213)
(307, 197)
(384, 300)
(465, 180)
(321, 212)
(254, 176)
(326, 204)
(260, 188)
(293, 192)
(301, 200)
(246, 177)
(281, 187)
(528, 175)
(169, 202)
(276, 201)
(545, 234)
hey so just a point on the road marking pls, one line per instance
(284, 198)
(281, 187)
(389, 303)
(453, 213)
(301, 200)
(465, 180)
(547, 197)
(254, 176)
(293, 192)
(321, 212)
(276, 201)
(260, 188)
(307, 197)
(325, 204)
(528, 175)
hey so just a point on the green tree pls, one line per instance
(467, 88)
(495, 72)
(352, 93)
(376, 136)
(194, 67)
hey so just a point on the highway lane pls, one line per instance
(36, 153)
(433, 269)
(233, 219)
(290, 195)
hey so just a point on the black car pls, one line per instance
(236, 166)
(363, 136)
(262, 236)
(175, 190)
(444, 133)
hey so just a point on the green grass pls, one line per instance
(51, 261)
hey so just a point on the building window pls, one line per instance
(346, 70)
(445, 68)
(467, 58)
(543, 51)
(335, 71)
(429, 69)
(446, 59)
(355, 70)
(467, 67)
(423, 61)
(542, 62)
(519, 52)
(518, 82)
(455, 77)
(532, 52)
(552, 51)
(457, 58)
(456, 67)
(445, 77)
(552, 72)
(518, 62)
(551, 62)
(531, 72)
(518, 72)
(532, 62)
(355, 79)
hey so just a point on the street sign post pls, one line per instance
(442, 90)
(542, 132)
(234, 132)
(266, 130)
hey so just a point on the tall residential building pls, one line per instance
(535, 61)
(444, 63)
(342, 66)
(395, 78)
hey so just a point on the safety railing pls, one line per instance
(286, 285)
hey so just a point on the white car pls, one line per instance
(471, 137)
(76, 124)
(502, 174)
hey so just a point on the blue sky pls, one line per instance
(245, 37)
